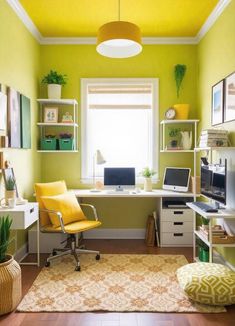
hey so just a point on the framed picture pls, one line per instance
(217, 103)
(51, 115)
(9, 173)
(3, 111)
(13, 118)
(229, 108)
(25, 122)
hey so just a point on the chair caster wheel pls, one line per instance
(47, 264)
(77, 268)
(54, 253)
(97, 257)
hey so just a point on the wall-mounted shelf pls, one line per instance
(218, 148)
(58, 102)
(57, 151)
(58, 124)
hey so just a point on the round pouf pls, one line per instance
(208, 283)
(10, 285)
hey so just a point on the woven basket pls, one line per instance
(10, 285)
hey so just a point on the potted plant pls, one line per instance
(54, 83)
(66, 141)
(173, 133)
(147, 173)
(182, 110)
(10, 188)
(10, 272)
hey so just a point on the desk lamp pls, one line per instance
(97, 159)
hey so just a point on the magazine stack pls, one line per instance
(214, 138)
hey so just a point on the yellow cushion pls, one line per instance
(67, 205)
(48, 189)
(208, 283)
(74, 227)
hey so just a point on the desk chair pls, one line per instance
(60, 212)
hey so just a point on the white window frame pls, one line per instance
(155, 121)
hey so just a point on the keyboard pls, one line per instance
(114, 192)
(205, 207)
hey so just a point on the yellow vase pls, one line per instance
(182, 111)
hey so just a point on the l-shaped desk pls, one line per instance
(175, 219)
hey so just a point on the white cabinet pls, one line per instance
(176, 223)
(62, 106)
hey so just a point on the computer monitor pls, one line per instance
(176, 179)
(119, 178)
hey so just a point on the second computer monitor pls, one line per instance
(119, 177)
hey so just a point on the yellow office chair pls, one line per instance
(61, 213)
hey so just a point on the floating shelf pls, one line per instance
(56, 101)
(58, 151)
(218, 148)
(57, 124)
(177, 151)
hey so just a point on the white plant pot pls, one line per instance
(147, 184)
(54, 91)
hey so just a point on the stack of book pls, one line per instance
(214, 138)
(217, 231)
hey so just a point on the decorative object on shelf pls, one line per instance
(51, 115)
(186, 139)
(214, 138)
(119, 39)
(170, 113)
(25, 122)
(217, 103)
(66, 142)
(13, 118)
(54, 83)
(98, 159)
(10, 272)
(147, 173)
(3, 111)
(67, 118)
(179, 72)
(173, 133)
(229, 109)
(182, 111)
(10, 184)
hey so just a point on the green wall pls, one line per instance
(82, 61)
(19, 68)
(216, 60)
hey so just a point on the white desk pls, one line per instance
(222, 213)
(176, 224)
(22, 217)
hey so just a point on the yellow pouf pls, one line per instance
(10, 285)
(208, 283)
(182, 111)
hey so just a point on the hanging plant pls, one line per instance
(180, 71)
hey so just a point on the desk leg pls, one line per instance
(38, 243)
(194, 236)
(210, 241)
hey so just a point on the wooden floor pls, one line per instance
(29, 273)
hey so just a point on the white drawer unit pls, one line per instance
(176, 224)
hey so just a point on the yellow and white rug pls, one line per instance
(114, 283)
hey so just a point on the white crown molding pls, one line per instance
(219, 8)
(24, 17)
(21, 13)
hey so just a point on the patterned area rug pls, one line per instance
(114, 283)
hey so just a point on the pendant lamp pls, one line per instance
(119, 39)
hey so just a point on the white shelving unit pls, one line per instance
(223, 213)
(70, 103)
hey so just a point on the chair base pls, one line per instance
(73, 250)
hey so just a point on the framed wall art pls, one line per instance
(217, 103)
(3, 112)
(25, 122)
(51, 115)
(13, 118)
(229, 107)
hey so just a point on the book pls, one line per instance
(213, 136)
(214, 131)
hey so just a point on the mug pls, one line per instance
(12, 202)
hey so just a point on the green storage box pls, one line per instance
(66, 144)
(203, 254)
(48, 144)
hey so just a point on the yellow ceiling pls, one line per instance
(82, 18)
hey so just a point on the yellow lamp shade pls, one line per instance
(119, 39)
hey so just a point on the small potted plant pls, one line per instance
(147, 173)
(66, 142)
(10, 272)
(54, 82)
(182, 110)
(10, 188)
(173, 134)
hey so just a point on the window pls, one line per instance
(120, 118)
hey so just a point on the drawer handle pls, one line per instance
(178, 234)
(178, 212)
(31, 210)
(178, 223)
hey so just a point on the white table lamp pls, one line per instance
(98, 159)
